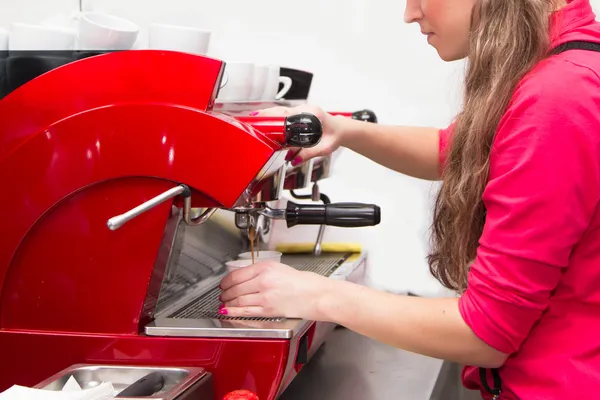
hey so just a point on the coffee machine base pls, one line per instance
(257, 354)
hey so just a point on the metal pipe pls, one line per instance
(118, 221)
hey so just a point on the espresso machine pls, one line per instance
(125, 194)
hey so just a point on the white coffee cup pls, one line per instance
(261, 256)
(38, 37)
(179, 38)
(99, 31)
(237, 264)
(63, 20)
(237, 82)
(261, 73)
(272, 86)
(3, 39)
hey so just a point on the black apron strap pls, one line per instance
(497, 389)
(577, 45)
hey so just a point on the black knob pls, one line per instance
(345, 215)
(365, 115)
(303, 130)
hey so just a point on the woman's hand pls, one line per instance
(271, 289)
(332, 131)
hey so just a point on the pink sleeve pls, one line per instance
(445, 138)
(541, 195)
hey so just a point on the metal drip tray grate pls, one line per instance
(207, 305)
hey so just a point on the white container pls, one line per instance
(3, 39)
(179, 38)
(262, 256)
(99, 31)
(261, 73)
(237, 264)
(270, 92)
(237, 82)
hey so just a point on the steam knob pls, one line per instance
(302, 130)
(365, 115)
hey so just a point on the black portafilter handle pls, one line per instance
(365, 115)
(303, 130)
(345, 215)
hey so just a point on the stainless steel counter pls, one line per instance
(352, 367)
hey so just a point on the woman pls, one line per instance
(516, 228)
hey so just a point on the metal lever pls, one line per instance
(316, 196)
(116, 222)
(188, 214)
(319, 242)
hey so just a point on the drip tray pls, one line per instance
(199, 317)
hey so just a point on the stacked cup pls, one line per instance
(3, 56)
(181, 38)
(3, 39)
(29, 37)
(244, 81)
(80, 31)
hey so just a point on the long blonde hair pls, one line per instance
(508, 38)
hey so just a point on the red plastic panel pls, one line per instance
(141, 76)
(71, 178)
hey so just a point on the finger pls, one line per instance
(249, 300)
(243, 289)
(253, 311)
(292, 153)
(272, 112)
(305, 155)
(242, 275)
(285, 111)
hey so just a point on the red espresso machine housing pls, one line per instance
(107, 163)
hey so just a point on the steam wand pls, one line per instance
(315, 196)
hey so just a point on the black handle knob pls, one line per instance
(345, 215)
(365, 115)
(303, 130)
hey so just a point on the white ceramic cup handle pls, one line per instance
(224, 80)
(287, 85)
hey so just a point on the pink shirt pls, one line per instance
(534, 289)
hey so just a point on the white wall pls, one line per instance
(363, 56)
